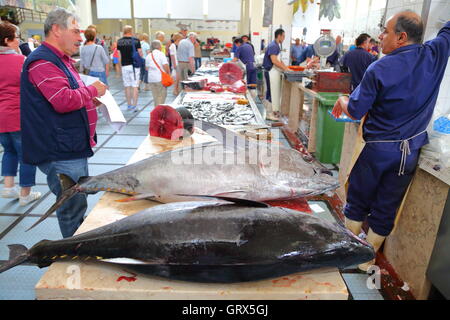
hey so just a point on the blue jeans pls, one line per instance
(70, 214)
(12, 143)
(198, 63)
(100, 75)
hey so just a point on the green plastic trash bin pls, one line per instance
(329, 133)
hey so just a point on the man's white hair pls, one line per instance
(156, 44)
(58, 16)
(192, 35)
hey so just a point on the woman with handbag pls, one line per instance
(94, 61)
(158, 73)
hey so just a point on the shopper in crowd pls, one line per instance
(156, 62)
(308, 53)
(168, 44)
(161, 36)
(373, 48)
(263, 45)
(173, 57)
(398, 93)
(198, 54)
(127, 46)
(115, 55)
(99, 41)
(296, 52)
(246, 39)
(58, 113)
(94, 58)
(339, 45)
(186, 55)
(145, 46)
(358, 60)
(10, 134)
(246, 55)
(273, 67)
(24, 47)
(184, 32)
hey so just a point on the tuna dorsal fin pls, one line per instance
(223, 135)
(66, 182)
(240, 202)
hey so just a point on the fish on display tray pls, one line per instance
(225, 113)
(164, 176)
(224, 241)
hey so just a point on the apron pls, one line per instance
(275, 87)
(360, 143)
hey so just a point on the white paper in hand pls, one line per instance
(111, 111)
(88, 80)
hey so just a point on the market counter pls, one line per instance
(77, 280)
(410, 246)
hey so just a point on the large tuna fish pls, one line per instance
(234, 167)
(212, 241)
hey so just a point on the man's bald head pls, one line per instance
(410, 23)
(405, 28)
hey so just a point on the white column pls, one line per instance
(84, 11)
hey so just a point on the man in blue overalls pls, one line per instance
(246, 54)
(398, 94)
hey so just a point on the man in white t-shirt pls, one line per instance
(130, 74)
(156, 62)
(186, 55)
(173, 56)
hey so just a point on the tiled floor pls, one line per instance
(113, 151)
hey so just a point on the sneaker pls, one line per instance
(131, 108)
(33, 196)
(10, 193)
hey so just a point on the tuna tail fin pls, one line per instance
(18, 254)
(69, 189)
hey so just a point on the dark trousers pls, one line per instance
(251, 74)
(268, 94)
(376, 190)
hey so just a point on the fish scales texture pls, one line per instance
(218, 242)
(163, 177)
(237, 168)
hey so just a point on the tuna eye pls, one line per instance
(325, 171)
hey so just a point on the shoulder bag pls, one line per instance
(166, 79)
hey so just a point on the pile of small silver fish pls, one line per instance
(220, 113)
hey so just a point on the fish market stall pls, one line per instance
(292, 105)
(88, 280)
(418, 227)
(229, 106)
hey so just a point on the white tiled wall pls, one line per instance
(440, 13)
(395, 6)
